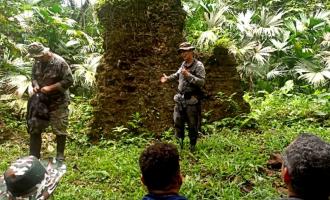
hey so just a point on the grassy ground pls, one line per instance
(227, 165)
(230, 161)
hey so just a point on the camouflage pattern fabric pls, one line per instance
(187, 102)
(58, 120)
(54, 71)
(54, 172)
(44, 74)
(195, 79)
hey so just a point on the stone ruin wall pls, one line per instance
(140, 41)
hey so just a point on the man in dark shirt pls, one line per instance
(52, 76)
(191, 77)
(306, 168)
(160, 167)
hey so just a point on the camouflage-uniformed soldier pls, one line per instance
(52, 76)
(30, 179)
(191, 76)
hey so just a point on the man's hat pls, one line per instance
(29, 178)
(185, 46)
(36, 50)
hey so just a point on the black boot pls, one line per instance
(35, 145)
(193, 142)
(60, 140)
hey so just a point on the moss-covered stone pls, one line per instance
(140, 41)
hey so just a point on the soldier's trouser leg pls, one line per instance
(199, 108)
(193, 123)
(35, 144)
(59, 123)
(60, 140)
(178, 118)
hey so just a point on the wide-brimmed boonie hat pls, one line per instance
(36, 50)
(185, 46)
(29, 178)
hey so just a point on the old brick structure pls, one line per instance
(140, 41)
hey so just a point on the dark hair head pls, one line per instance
(308, 161)
(159, 164)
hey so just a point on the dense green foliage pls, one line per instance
(57, 26)
(282, 49)
(230, 161)
(269, 40)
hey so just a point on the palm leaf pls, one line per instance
(270, 25)
(244, 50)
(325, 57)
(19, 83)
(277, 71)
(322, 15)
(326, 40)
(85, 73)
(206, 39)
(216, 18)
(262, 53)
(244, 23)
(312, 72)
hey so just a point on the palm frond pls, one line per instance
(216, 18)
(270, 25)
(244, 23)
(85, 73)
(262, 53)
(326, 40)
(244, 50)
(18, 104)
(312, 72)
(24, 18)
(316, 78)
(325, 57)
(206, 39)
(277, 71)
(322, 15)
(19, 83)
(280, 46)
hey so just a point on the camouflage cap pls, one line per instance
(185, 46)
(36, 50)
(29, 178)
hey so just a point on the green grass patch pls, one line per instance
(230, 161)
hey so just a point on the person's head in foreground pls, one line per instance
(160, 168)
(27, 178)
(306, 168)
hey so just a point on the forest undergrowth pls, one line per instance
(232, 160)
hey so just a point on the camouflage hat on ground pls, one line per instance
(185, 46)
(36, 50)
(29, 178)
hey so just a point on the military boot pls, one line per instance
(192, 147)
(60, 140)
(35, 145)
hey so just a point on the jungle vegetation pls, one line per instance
(282, 48)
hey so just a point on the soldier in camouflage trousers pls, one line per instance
(52, 76)
(191, 76)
